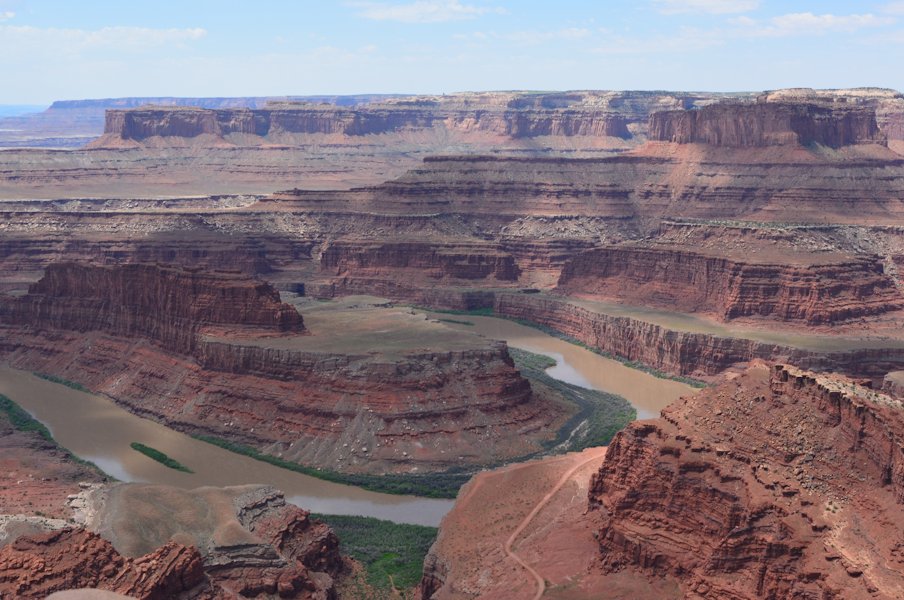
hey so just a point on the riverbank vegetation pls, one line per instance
(22, 421)
(599, 415)
(69, 384)
(392, 554)
(160, 457)
(428, 485)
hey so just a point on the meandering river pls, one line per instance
(96, 429)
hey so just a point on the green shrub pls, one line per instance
(391, 553)
(160, 457)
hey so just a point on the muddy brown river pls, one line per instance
(96, 429)
(646, 393)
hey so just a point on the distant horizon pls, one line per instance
(48, 105)
(54, 50)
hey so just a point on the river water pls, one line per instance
(646, 393)
(96, 429)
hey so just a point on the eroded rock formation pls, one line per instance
(684, 350)
(189, 363)
(33, 567)
(685, 281)
(170, 306)
(777, 484)
(768, 124)
(157, 542)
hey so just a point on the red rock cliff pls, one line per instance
(143, 123)
(170, 306)
(768, 124)
(682, 352)
(778, 484)
(678, 279)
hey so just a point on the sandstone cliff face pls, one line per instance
(196, 350)
(690, 282)
(779, 484)
(419, 260)
(768, 124)
(34, 567)
(170, 306)
(683, 352)
(140, 124)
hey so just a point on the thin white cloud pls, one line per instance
(73, 41)
(893, 8)
(528, 38)
(809, 24)
(7, 15)
(423, 11)
(712, 7)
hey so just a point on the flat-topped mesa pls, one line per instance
(171, 306)
(143, 123)
(777, 484)
(735, 124)
(510, 115)
(820, 292)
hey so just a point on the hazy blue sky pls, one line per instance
(65, 49)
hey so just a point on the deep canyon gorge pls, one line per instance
(312, 284)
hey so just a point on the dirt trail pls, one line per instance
(523, 531)
(597, 454)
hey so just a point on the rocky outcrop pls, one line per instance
(157, 542)
(419, 259)
(685, 281)
(195, 350)
(170, 306)
(768, 124)
(681, 351)
(778, 484)
(33, 567)
(509, 115)
(252, 543)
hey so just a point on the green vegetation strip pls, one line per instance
(599, 415)
(22, 421)
(69, 384)
(392, 553)
(427, 485)
(160, 457)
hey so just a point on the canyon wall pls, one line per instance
(511, 115)
(687, 281)
(420, 258)
(194, 350)
(768, 124)
(684, 352)
(778, 484)
(169, 306)
(142, 123)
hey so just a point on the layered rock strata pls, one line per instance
(778, 484)
(687, 352)
(188, 363)
(684, 281)
(768, 124)
(33, 567)
(511, 115)
(169, 306)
